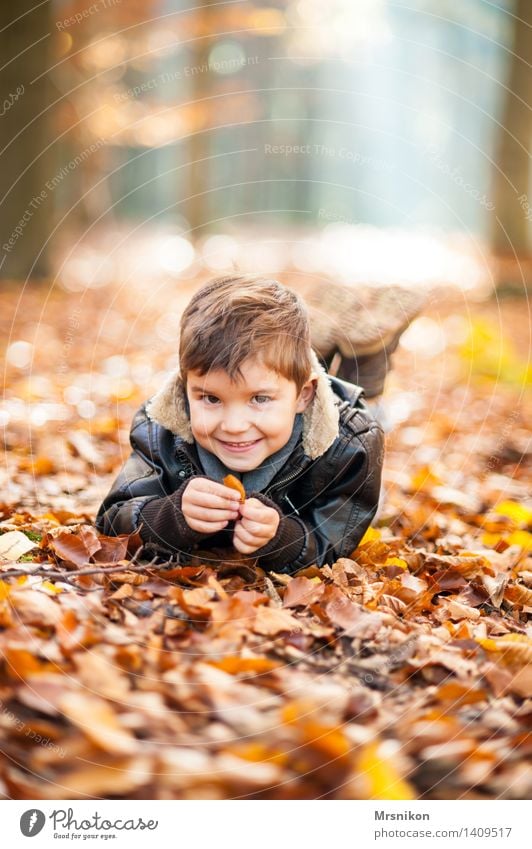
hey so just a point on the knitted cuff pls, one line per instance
(287, 544)
(164, 523)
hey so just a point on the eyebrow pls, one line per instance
(266, 389)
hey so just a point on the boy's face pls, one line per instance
(244, 422)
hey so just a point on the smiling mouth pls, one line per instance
(239, 444)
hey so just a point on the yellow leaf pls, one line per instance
(488, 644)
(512, 649)
(425, 478)
(520, 514)
(521, 538)
(396, 561)
(487, 354)
(50, 517)
(51, 587)
(371, 535)
(491, 539)
(513, 638)
(382, 777)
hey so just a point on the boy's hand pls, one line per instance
(257, 526)
(209, 506)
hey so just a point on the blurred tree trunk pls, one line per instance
(511, 176)
(26, 29)
(199, 145)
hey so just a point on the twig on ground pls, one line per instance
(92, 570)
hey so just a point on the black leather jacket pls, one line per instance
(332, 498)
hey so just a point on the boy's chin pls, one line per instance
(240, 464)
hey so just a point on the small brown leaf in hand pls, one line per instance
(234, 483)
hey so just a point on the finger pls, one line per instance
(243, 548)
(210, 500)
(255, 528)
(252, 508)
(207, 527)
(210, 487)
(246, 537)
(203, 514)
(232, 493)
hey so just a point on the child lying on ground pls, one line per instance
(250, 399)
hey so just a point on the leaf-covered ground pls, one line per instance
(403, 672)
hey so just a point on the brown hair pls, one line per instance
(235, 317)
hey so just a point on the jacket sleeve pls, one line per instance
(143, 485)
(333, 523)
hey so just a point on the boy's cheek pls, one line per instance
(200, 425)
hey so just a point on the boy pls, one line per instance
(250, 399)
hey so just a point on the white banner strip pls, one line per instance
(267, 824)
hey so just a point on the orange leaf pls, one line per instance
(234, 483)
(234, 664)
(459, 694)
(23, 664)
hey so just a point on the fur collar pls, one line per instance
(320, 420)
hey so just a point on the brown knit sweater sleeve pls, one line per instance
(163, 521)
(287, 544)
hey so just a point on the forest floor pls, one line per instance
(403, 672)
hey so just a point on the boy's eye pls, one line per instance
(262, 399)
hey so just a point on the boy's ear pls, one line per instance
(306, 395)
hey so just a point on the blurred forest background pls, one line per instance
(146, 146)
(372, 138)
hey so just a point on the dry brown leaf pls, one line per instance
(96, 719)
(76, 548)
(450, 609)
(353, 618)
(301, 592)
(101, 675)
(518, 594)
(35, 608)
(273, 620)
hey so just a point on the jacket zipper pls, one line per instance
(280, 484)
(285, 480)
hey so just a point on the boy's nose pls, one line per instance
(234, 423)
